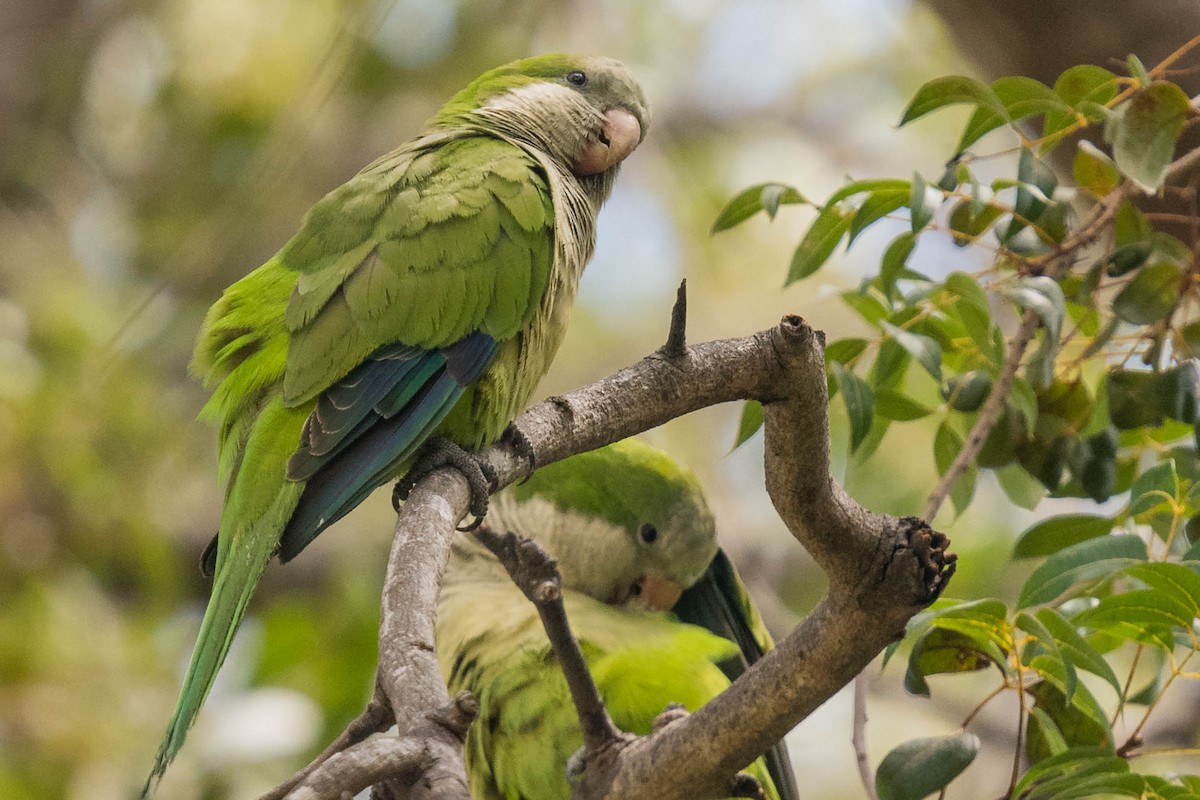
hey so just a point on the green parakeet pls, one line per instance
(630, 530)
(425, 296)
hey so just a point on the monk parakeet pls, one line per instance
(630, 531)
(424, 297)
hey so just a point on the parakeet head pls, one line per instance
(586, 112)
(625, 522)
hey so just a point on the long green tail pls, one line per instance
(257, 506)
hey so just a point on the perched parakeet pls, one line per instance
(630, 530)
(426, 296)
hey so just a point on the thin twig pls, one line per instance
(859, 736)
(375, 718)
(536, 574)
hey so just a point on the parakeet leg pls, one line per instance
(438, 452)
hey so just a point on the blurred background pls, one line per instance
(153, 151)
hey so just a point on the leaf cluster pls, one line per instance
(1068, 366)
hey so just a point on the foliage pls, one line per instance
(1092, 394)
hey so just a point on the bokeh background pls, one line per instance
(153, 151)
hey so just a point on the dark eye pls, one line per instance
(648, 532)
(576, 78)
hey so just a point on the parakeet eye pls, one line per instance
(576, 78)
(648, 532)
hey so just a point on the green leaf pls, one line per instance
(751, 421)
(1046, 643)
(1043, 736)
(1076, 764)
(1137, 70)
(1022, 97)
(951, 90)
(920, 767)
(1080, 720)
(877, 205)
(1089, 560)
(894, 260)
(972, 309)
(925, 349)
(946, 444)
(1075, 647)
(1143, 615)
(866, 305)
(1176, 581)
(760, 197)
(1144, 130)
(870, 185)
(1024, 490)
(922, 201)
(1051, 535)
(1130, 225)
(942, 651)
(1024, 400)
(967, 224)
(819, 242)
(844, 351)
(1043, 297)
(1151, 294)
(1157, 485)
(859, 400)
(898, 407)
(1094, 170)
(1076, 87)
(889, 365)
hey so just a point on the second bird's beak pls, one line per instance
(621, 135)
(655, 593)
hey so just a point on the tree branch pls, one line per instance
(881, 569)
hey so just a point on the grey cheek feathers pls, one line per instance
(522, 114)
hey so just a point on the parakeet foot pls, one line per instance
(437, 453)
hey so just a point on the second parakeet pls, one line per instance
(658, 610)
(424, 297)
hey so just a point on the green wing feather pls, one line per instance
(436, 241)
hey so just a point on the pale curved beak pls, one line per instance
(620, 137)
(656, 593)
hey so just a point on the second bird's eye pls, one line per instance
(648, 532)
(576, 78)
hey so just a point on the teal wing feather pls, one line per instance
(491, 642)
(720, 603)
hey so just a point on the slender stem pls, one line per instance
(999, 690)
(859, 736)
(1021, 715)
(1137, 656)
(1135, 735)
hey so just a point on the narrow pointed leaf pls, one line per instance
(1089, 560)
(1048, 536)
(952, 90)
(819, 242)
(760, 197)
(859, 400)
(925, 349)
(751, 420)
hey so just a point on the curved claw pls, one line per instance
(438, 453)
